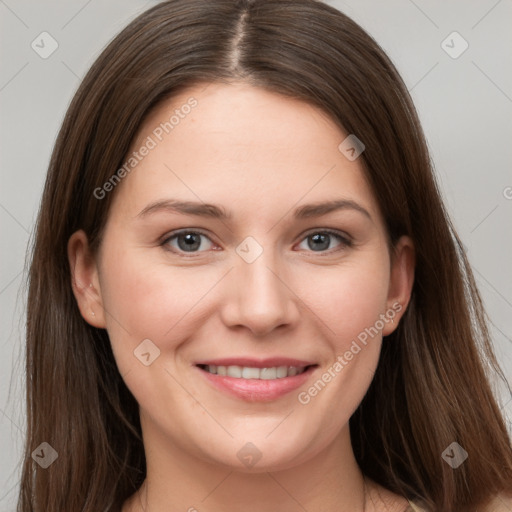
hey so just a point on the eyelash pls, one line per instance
(345, 241)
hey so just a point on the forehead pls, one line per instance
(240, 146)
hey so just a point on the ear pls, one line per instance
(403, 261)
(85, 280)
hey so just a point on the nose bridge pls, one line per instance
(258, 298)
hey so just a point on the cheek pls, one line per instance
(349, 304)
(347, 299)
(149, 299)
(144, 299)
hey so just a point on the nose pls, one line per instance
(259, 298)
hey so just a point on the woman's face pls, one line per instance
(243, 238)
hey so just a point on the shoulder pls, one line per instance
(500, 503)
(415, 508)
(384, 499)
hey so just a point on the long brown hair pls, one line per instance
(431, 386)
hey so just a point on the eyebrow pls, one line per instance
(218, 212)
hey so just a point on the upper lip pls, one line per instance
(270, 362)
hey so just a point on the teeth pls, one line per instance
(234, 371)
(268, 373)
(250, 373)
(292, 371)
(246, 372)
(282, 371)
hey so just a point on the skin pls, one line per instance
(259, 156)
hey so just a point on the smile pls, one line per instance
(248, 372)
(262, 383)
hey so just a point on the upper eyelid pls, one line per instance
(178, 232)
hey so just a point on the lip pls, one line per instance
(257, 390)
(257, 363)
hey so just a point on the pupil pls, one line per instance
(189, 242)
(320, 241)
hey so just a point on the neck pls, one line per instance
(179, 480)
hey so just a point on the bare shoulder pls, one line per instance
(380, 499)
(501, 503)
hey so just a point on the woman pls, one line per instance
(245, 291)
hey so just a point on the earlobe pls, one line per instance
(401, 281)
(85, 280)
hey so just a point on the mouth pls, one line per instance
(251, 372)
(256, 381)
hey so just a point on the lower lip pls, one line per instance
(257, 390)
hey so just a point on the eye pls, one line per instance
(322, 241)
(196, 241)
(188, 241)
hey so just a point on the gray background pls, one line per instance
(465, 105)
